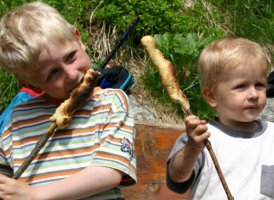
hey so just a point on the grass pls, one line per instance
(8, 88)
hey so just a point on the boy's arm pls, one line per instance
(181, 165)
(96, 178)
(87, 182)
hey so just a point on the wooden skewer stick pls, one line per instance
(216, 163)
(169, 82)
(43, 140)
(63, 114)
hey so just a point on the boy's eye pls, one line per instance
(71, 57)
(53, 74)
(260, 85)
(241, 86)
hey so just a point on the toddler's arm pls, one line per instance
(182, 164)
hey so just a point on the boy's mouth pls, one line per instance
(255, 106)
(76, 84)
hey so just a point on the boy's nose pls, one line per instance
(253, 93)
(72, 76)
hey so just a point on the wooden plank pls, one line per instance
(153, 144)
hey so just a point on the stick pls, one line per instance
(119, 43)
(43, 140)
(216, 163)
(63, 114)
(171, 86)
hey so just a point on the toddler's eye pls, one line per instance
(241, 86)
(260, 85)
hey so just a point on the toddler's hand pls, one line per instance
(196, 130)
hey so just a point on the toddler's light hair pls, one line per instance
(221, 56)
(25, 31)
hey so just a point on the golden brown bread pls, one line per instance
(167, 72)
(78, 97)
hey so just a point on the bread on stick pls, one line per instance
(167, 72)
(78, 97)
(171, 86)
(63, 114)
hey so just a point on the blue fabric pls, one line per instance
(6, 114)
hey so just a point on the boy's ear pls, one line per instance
(209, 97)
(77, 33)
(78, 36)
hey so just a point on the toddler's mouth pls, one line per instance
(255, 106)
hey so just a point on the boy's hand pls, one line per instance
(11, 189)
(196, 130)
(182, 164)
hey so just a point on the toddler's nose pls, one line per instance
(253, 93)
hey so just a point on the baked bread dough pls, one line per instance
(78, 97)
(167, 73)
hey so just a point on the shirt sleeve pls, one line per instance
(179, 187)
(117, 149)
(183, 186)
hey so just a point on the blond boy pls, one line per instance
(87, 160)
(233, 74)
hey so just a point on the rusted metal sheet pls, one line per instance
(153, 144)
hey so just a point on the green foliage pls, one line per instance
(154, 14)
(156, 17)
(253, 19)
(8, 88)
(183, 52)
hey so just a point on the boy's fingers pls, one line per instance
(191, 117)
(192, 122)
(205, 135)
(202, 137)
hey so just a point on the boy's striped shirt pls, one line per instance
(96, 136)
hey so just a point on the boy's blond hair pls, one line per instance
(221, 56)
(25, 31)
